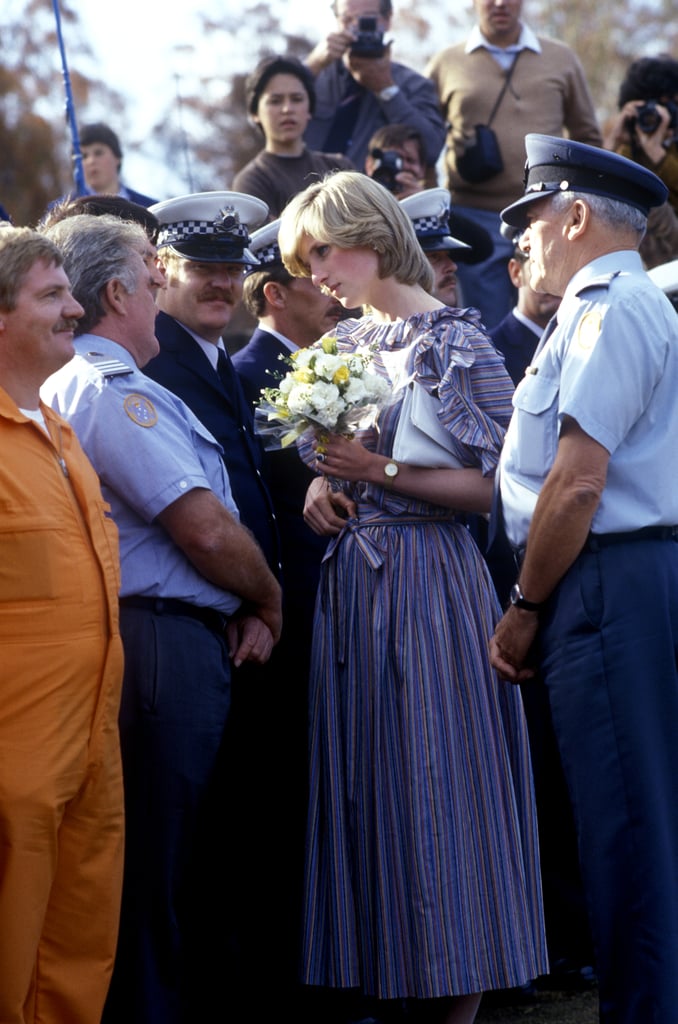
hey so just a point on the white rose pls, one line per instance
(299, 399)
(303, 356)
(375, 387)
(329, 416)
(355, 392)
(327, 365)
(323, 394)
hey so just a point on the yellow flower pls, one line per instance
(341, 375)
(329, 345)
(304, 375)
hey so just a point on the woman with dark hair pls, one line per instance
(422, 880)
(280, 101)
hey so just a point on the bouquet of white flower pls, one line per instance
(326, 390)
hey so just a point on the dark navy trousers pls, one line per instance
(609, 653)
(175, 704)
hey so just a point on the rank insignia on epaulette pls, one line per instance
(141, 410)
(108, 367)
(588, 329)
(601, 281)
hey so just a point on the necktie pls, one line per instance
(227, 377)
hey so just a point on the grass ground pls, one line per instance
(546, 1007)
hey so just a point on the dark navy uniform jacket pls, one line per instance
(183, 367)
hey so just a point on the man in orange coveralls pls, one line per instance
(61, 807)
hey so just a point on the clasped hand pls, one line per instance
(511, 644)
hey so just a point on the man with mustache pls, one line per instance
(430, 214)
(291, 314)
(203, 246)
(61, 803)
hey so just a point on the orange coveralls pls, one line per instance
(61, 803)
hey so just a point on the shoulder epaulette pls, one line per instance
(603, 281)
(106, 366)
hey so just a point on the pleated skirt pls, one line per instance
(422, 874)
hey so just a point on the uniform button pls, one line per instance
(183, 484)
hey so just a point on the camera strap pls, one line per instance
(504, 87)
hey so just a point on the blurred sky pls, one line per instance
(134, 45)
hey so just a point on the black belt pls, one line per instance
(210, 617)
(595, 541)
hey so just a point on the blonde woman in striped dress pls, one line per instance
(422, 878)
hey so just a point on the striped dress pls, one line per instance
(422, 874)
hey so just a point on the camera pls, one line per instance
(388, 163)
(370, 41)
(647, 116)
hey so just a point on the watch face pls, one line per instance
(391, 469)
(516, 598)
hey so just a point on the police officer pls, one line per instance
(196, 592)
(429, 212)
(589, 499)
(204, 247)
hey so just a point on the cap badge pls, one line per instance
(226, 221)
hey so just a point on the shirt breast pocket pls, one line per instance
(536, 409)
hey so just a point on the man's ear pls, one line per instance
(515, 271)
(578, 219)
(275, 295)
(114, 296)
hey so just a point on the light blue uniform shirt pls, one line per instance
(611, 365)
(149, 449)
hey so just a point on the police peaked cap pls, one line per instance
(562, 165)
(210, 227)
(264, 245)
(429, 212)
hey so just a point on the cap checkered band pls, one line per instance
(227, 223)
(431, 225)
(269, 254)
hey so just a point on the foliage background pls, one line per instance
(199, 136)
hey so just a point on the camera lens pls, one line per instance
(388, 165)
(647, 117)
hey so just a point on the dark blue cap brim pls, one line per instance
(209, 250)
(559, 165)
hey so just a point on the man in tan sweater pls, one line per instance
(547, 93)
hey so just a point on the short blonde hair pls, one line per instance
(350, 210)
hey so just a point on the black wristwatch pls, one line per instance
(518, 599)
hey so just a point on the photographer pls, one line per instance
(396, 159)
(359, 88)
(646, 127)
(646, 131)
